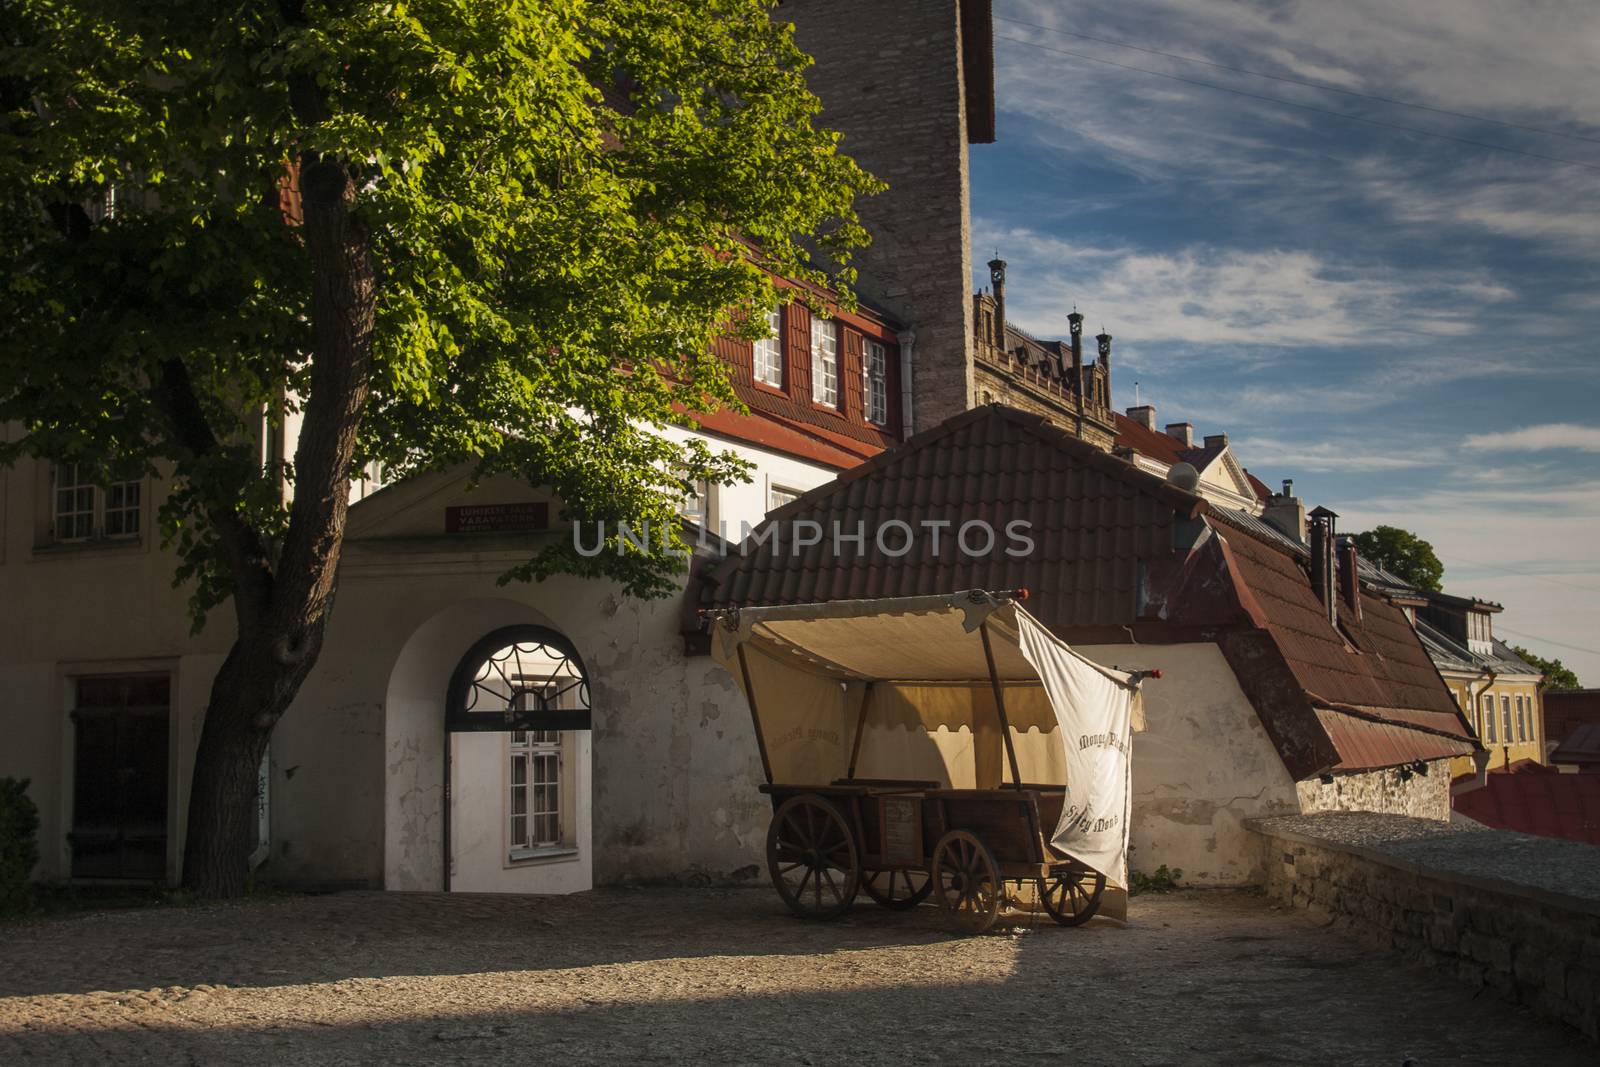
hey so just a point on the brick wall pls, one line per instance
(1525, 944)
(1388, 791)
(890, 78)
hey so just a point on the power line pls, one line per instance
(1546, 640)
(1564, 583)
(1303, 107)
(1300, 81)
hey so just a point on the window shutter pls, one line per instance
(797, 351)
(850, 370)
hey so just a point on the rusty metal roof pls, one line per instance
(1377, 661)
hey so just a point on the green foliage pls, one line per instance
(19, 844)
(1557, 675)
(1162, 881)
(1403, 554)
(564, 199)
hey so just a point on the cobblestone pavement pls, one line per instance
(671, 976)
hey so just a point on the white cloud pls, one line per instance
(1552, 435)
(1210, 296)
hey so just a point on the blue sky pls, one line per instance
(1407, 326)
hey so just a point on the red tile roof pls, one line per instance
(1094, 518)
(1263, 494)
(1550, 805)
(1148, 442)
(1104, 557)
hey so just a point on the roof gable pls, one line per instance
(1092, 519)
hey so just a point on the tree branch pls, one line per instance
(249, 561)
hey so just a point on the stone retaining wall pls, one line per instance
(1532, 946)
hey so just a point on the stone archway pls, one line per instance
(418, 749)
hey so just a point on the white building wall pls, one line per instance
(1202, 764)
(746, 502)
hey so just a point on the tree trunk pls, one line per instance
(245, 694)
(282, 614)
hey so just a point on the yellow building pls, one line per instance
(1497, 690)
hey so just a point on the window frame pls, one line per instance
(1486, 713)
(772, 346)
(1505, 717)
(825, 339)
(530, 747)
(874, 387)
(100, 507)
(776, 490)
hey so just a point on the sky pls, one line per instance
(1406, 325)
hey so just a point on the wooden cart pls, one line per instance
(902, 840)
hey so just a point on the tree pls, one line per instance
(1557, 675)
(1403, 554)
(440, 232)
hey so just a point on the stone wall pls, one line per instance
(890, 78)
(1424, 796)
(1512, 914)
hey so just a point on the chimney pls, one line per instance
(997, 278)
(1322, 577)
(1183, 431)
(1075, 324)
(1349, 578)
(1216, 440)
(1286, 513)
(1104, 340)
(1144, 415)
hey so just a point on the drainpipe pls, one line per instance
(908, 343)
(1479, 780)
(1481, 757)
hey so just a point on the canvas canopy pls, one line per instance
(902, 689)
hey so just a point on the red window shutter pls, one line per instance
(850, 386)
(797, 351)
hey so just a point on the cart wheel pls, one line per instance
(898, 888)
(1072, 895)
(812, 858)
(967, 881)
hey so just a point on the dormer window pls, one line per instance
(875, 372)
(824, 361)
(768, 353)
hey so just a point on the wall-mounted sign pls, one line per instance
(497, 518)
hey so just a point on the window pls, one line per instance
(1505, 716)
(824, 361)
(778, 496)
(768, 352)
(83, 510)
(875, 372)
(1522, 721)
(535, 803)
(697, 505)
(1488, 717)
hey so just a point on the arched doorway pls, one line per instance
(516, 765)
